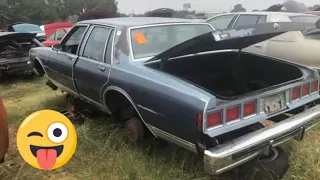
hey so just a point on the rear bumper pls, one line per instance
(238, 151)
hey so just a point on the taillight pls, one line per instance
(233, 113)
(296, 93)
(199, 122)
(305, 89)
(249, 108)
(214, 119)
(314, 86)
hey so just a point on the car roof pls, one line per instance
(269, 13)
(136, 21)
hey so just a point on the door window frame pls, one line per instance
(218, 16)
(70, 33)
(86, 38)
(259, 15)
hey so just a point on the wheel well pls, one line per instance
(123, 109)
(119, 105)
(39, 67)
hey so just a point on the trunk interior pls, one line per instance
(228, 75)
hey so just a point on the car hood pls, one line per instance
(235, 38)
(5, 36)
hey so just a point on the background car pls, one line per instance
(56, 37)
(14, 52)
(51, 28)
(27, 28)
(4, 132)
(313, 12)
(296, 46)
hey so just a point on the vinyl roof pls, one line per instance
(136, 21)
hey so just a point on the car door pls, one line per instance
(62, 61)
(91, 71)
(252, 19)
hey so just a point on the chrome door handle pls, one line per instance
(258, 45)
(71, 58)
(101, 68)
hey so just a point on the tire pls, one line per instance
(274, 167)
(134, 129)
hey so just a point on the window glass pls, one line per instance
(71, 43)
(24, 28)
(221, 22)
(247, 20)
(95, 45)
(262, 19)
(279, 18)
(109, 48)
(150, 41)
(306, 19)
(53, 36)
(59, 35)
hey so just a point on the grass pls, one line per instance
(103, 153)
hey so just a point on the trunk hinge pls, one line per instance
(239, 52)
(162, 63)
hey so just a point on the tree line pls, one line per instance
(47, 11)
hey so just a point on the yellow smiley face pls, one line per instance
(46, 139)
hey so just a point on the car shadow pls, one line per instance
(23, 77)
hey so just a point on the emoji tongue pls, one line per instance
(46, 158)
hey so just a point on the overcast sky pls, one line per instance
(141, 6)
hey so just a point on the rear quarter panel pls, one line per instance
(164, 102)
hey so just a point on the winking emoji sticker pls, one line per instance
(46, 139)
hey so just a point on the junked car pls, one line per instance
(14, 52)
(186, 84)
(56, 37)
(297, 46)
(21, 27)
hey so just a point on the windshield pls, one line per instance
(307, 19)
(150, 41)
(23, 28)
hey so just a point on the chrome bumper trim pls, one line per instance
(240, 150)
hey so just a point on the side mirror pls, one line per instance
(318, 24)
(56, 47)
(59, 38)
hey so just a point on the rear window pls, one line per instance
(150, 41)
(306, 19)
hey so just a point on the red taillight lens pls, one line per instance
(249, 108)
(233, 113)
(214, 119)
(296, 93)
(314, 86)
(305, 89)
(199, 123)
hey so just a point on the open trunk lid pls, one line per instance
(235, 38)
(7, 36)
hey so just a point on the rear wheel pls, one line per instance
(134, 129)
(266, 168)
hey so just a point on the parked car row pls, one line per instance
(189, 84)
(296, 46)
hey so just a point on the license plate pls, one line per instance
(274, 103)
